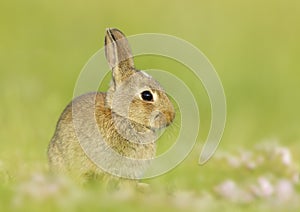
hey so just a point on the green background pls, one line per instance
(253, 45)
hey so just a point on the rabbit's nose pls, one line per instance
(168, 116)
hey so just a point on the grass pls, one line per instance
(254, 47)
(258, 179)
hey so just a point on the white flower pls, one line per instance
(231, 191)
(264, 188)
(285, 154)
(284, 190)
(233, 161)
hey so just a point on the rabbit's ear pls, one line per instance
(118, 55)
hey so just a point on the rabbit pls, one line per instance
(108, 128)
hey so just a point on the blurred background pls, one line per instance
(253, 45)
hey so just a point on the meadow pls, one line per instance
(254, 47)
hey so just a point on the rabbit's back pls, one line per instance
(65, 152)
(82, 120)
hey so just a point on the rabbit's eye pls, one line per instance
(147, 96)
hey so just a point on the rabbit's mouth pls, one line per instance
(144, 128)
(141, 131)
(160, 120)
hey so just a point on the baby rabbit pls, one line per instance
(113, 133)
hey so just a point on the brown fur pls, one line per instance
(98, 121)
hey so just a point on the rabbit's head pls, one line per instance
(134, 96)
